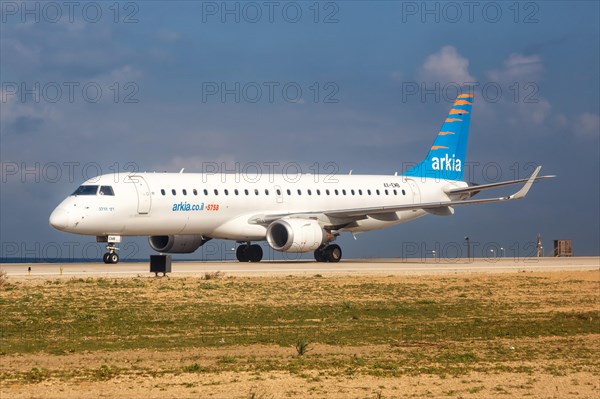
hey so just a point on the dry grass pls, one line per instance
(3, 278)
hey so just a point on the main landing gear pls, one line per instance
(249, 253)
(329, 253)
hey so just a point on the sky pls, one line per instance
(97, 87)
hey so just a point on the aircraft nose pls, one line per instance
(59, 219)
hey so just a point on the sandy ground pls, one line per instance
(280, 384)
(283, 385)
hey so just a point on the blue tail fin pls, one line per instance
(447, 157)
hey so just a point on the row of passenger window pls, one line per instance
(299, 191)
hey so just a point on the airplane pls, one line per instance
(180, 212)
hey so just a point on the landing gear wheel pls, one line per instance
(249, 253)
(255, 253)
(319, 255)
(113, 258)
(241, 253)
(333, 253)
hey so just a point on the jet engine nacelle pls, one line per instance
(295, 235)
(181, 244)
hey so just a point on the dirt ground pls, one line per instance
(550, 366)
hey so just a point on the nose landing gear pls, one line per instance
(111, 257)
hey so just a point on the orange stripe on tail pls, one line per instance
(462, 102)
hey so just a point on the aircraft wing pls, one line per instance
(362, 213)
(480, 187)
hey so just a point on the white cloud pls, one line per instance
(446, 66)
(587, 125)
(536, 113)
(518, 78)
(518, 68)
(561, 120)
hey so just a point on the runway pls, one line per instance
(270, 268)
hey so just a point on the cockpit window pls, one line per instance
(106, 190)
(86, 190)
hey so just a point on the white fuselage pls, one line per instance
(225, 205)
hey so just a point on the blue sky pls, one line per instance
(154, 61)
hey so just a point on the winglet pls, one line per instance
(525, 189)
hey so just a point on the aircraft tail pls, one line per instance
(447, 156)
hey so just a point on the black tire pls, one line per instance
(256, 253)
(319, 255)
(113, 258)
(242, 253)
(105, 258)
(333, 253)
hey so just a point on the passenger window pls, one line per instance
(246, 191)
(216, 192)
(106, 190)
(327, 191)
(205, 192)
(236, 191)
(377, 191)
(318, 192)
(369, 192)
(195, 192)
(256, 191)
(184, 191)
(162, 191)
(299, 192)
(336, 192)
(352, 191)
(403, 192)
(344, 191)
(173, 192)
(395, 192)
(359, 192)
(226, 192)
(266, 192)
(289, 192)
(386, 192)
(86, 190)
(309, 192)
(278, 192)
